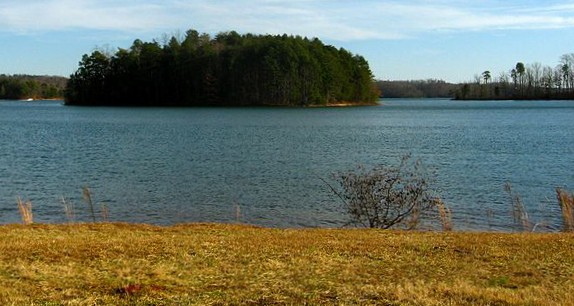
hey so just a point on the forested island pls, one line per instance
(21, 87)
(523, 82)
(230, 69)
(227, 70)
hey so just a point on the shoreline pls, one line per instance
(344, 104)
(34, 99)
(160, 227)
(514, 99)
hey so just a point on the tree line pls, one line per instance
(523, 82)
(431, 88)
(16, 87)
(228, 69)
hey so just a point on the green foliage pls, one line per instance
(229, 69)
(36, 87)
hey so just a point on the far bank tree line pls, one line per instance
(14, 87)
(524, 82)
(228, 69)
(431, 88)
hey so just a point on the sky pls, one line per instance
(451, 40)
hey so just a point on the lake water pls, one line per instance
(174, 165)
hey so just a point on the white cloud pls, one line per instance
(427, 17)
(33, 16)
(335, 19)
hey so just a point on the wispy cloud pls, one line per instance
(34, 16)
(335, 19)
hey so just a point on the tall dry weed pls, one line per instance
(104, 211)
(237, 212)
(566, 202)
(445, 215)
(88, 198)
(25, 209)
(519, 212)
(69, 209)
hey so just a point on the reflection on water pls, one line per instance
(172, 165)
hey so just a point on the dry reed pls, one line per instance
(105, 212)
(518, 210)
(566, 202)
(25, 209)
(69, 209)
(237, 212)
(88, 198)
(445, 215)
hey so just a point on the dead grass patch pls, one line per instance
(126, 264)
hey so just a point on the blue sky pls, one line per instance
(451, 40)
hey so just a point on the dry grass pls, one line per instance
(203, 264)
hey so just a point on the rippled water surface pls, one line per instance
(173, 165)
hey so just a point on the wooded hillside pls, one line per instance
(16, 87)
(229, 69)
(430, 88)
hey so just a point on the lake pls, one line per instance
(264, 166)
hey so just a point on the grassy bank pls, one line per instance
(233, 264)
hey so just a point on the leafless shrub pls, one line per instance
(386, 196)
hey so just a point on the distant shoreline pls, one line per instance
(515, 99)
(32, 100)
(337, 104)
(42, 99)
(342, 104)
